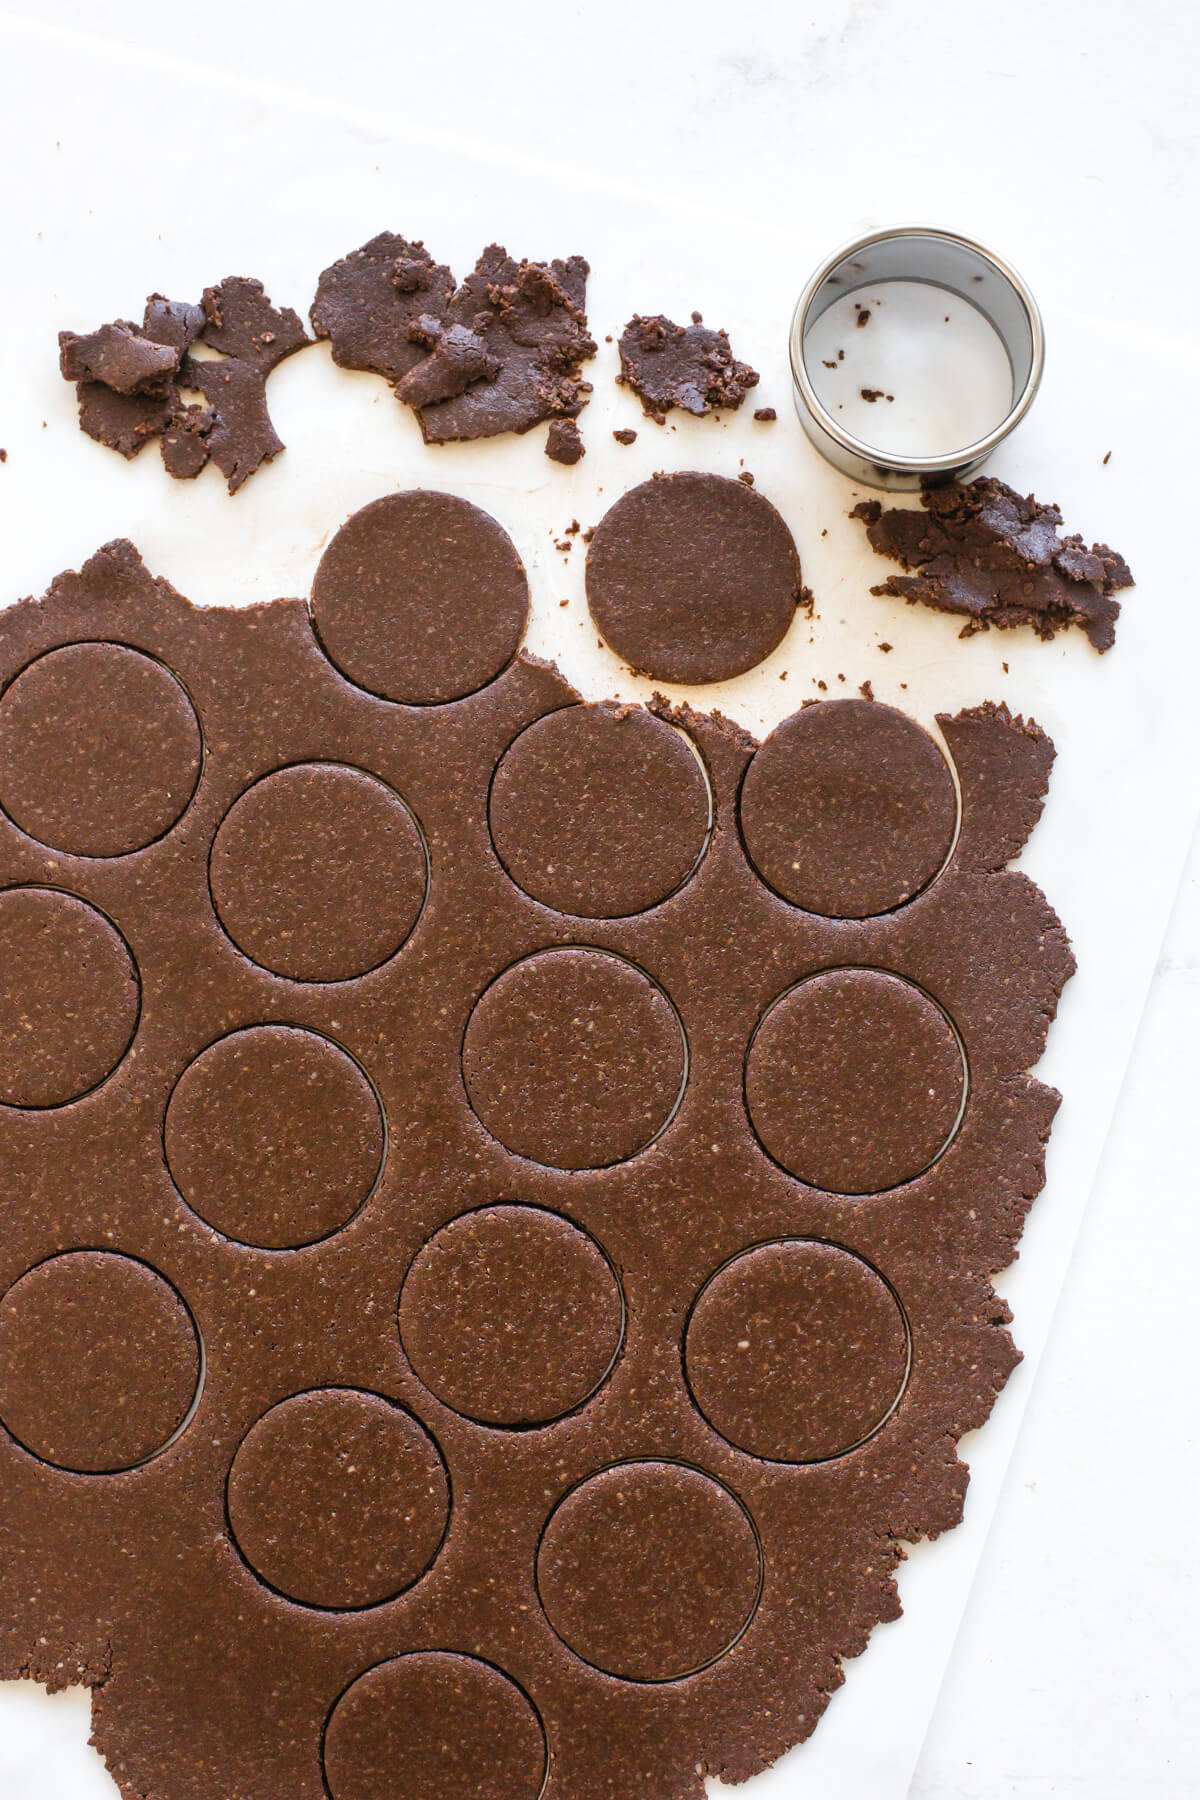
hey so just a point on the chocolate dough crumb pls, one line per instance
(747, 477)
(563, 442)
(985, 551)
(625, 435)
(866, 690)
(871, 394)
(1107, 454)
(824, 687)
(864, 317)
(841, 356)
(885, 648)
(131, 379)
(828, 365)
(3, 456)
(766, 415)
(690, 366)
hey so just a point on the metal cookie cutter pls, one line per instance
(936, 258)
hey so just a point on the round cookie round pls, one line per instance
(574, 1058)
(796, 1351)
(274, 1136)
(848, 809)
(319, 872)
(338, 1499)
(649, 1570)
(99, 749)
(511, 1315)
(434, 1725)
(69, 998)
(692, 578)
(99, 1361)
(601, 811)
(855, 1081)
(420, 598)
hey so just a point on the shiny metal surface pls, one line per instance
(927, 254)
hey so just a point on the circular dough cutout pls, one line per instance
(434, 1725)
(338, 1499)
(692, 578)
(574, 1058)
(274, 1136)
(512, 1315)
(601, 811)
(69, 997)
(420, 598)
(848, 809)
(99, 750)
(99, 1362)
(319, 872)
(855, 1081)
(797, 1351)
(649, 1570)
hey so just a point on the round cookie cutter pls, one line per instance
(936, 258)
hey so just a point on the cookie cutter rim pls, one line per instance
(961, 266)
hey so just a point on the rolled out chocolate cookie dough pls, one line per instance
(501, 1192)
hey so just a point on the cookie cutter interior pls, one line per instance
(934, 258)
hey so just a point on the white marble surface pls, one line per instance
(1064, 134)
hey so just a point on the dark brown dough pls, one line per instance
(434, 1726)
(68, 997)
(318, 1460)
(848, 809)
(854, 1081)
(241, 323)
(574, 1058)
(591, 1515)
(119, 356)
(563, 442)
(501, 352)
(98, 1362)
(995, 555)
(421, 598)
(600, 810)
(533, 319)
(319, 872)
(692, 578)
(797, 1351)
(691, 366)
(511, 1315)
(239, 437)
(649, 1571)
(99, 750)
(301, 1179)
(366, 302)
(121, 422)
(132, 380)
